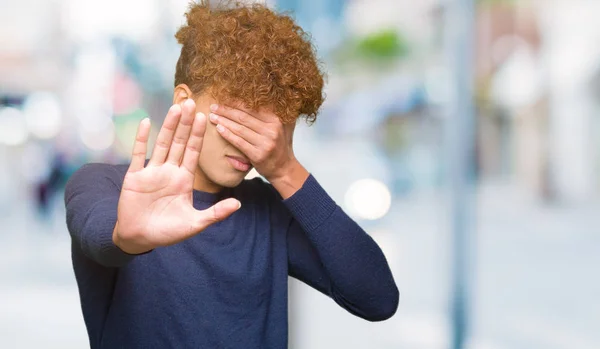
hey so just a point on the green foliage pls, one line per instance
(382, 45)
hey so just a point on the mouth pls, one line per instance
(239, 163)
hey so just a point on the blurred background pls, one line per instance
(76, 76)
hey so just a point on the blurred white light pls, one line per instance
(91, 90)
(95, 66)
(368, 199)
(518, 82)
(94, 120)
(364, 17)
(98, 139)
(13, 129)
(43, 115)
(88, 20)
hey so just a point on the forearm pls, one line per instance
(358, 271)
(93, 230)
(91, 202)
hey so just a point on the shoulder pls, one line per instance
(99, 173)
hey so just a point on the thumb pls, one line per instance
(216, 213)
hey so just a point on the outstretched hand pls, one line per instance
(156, 202)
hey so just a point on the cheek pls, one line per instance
(217, 141)
(212, 147)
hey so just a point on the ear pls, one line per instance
(181, 93)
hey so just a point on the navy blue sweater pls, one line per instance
(227, 286)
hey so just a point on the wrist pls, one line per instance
(290, 180)
(126, 246)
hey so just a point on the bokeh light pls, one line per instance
(98, 139)
(368, 199)
(43, 115)
(13, 129)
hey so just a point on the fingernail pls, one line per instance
(174, 107)
(214, 107)
(189, 102)
(213, 117)
(200, 115)
(239, 204)
(220, 128)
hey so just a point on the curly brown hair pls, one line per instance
(250, 54)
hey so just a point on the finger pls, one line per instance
(237, 141)
(182, 134)
(216, 213)
(194, 144)
(244, 117)
(244, 132)
(165, 136)
(138, 156)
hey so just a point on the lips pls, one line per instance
(239, 163)
(240, 159)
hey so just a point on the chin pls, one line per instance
(230, 180)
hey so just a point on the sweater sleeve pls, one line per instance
(91, 199)
(330, 252)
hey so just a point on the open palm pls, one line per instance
(156, 206)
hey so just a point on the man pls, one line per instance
(159, 264)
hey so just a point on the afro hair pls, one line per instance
(247, 53)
